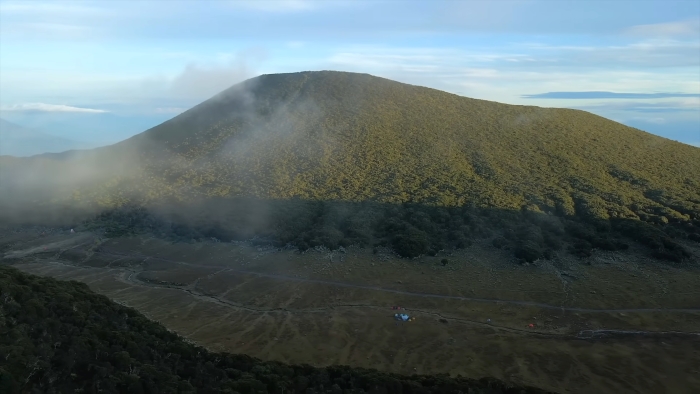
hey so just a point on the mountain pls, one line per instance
(94, 128)
(331, 135)
(355, 138)
(16, 140)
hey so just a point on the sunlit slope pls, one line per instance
(346, 136)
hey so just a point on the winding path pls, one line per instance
(130, 277)
(408, 293)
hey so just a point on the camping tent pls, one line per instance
(402, 317)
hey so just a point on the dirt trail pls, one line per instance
(130, 277)
(75, 241)
(86, 239)
(401, 292)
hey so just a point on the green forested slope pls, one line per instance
(344, 136)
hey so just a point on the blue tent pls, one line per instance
(401, 317)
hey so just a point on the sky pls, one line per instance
(101, 71)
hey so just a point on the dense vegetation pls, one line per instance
(406, 161)
(410, 229)
(60, 337)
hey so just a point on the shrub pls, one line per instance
(464, 243)
(499, 242)
(552, 241)
(581, 248)
(675, 256)
(411, 243)
(529, 251)
(579, 231)
(604, 244)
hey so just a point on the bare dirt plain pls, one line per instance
(611, 323)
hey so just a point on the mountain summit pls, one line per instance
(345, 136)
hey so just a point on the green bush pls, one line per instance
(529, 251)
(411, 243)
(581, 248)
(499, 242)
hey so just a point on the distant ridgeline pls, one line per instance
(60, 337)
(336, 158)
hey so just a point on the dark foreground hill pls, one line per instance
(60, 337)
(331, 157)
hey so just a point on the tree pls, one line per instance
(411, 243)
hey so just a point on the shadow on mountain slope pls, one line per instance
(409, 229)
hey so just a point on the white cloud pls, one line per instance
(496, 70)
(276, 5)
(49, 19)
(40, 29)
(645, 105)
(170, 110)
(53, 8)
(652, 53)
(489, 74)
(42, 107)
(651, 120)
(690, 102)
(476, 15)
(646, 53)
(689, 27)
(200, 82)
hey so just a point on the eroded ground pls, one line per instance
(323, 307)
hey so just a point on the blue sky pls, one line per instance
(105, 70)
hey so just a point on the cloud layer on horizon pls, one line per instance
(607, 95)
(42, 107)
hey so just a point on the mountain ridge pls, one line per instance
(16, 140)
(476, 161)
(681, 158)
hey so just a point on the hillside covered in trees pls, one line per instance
(327, 158)
(60, 337)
